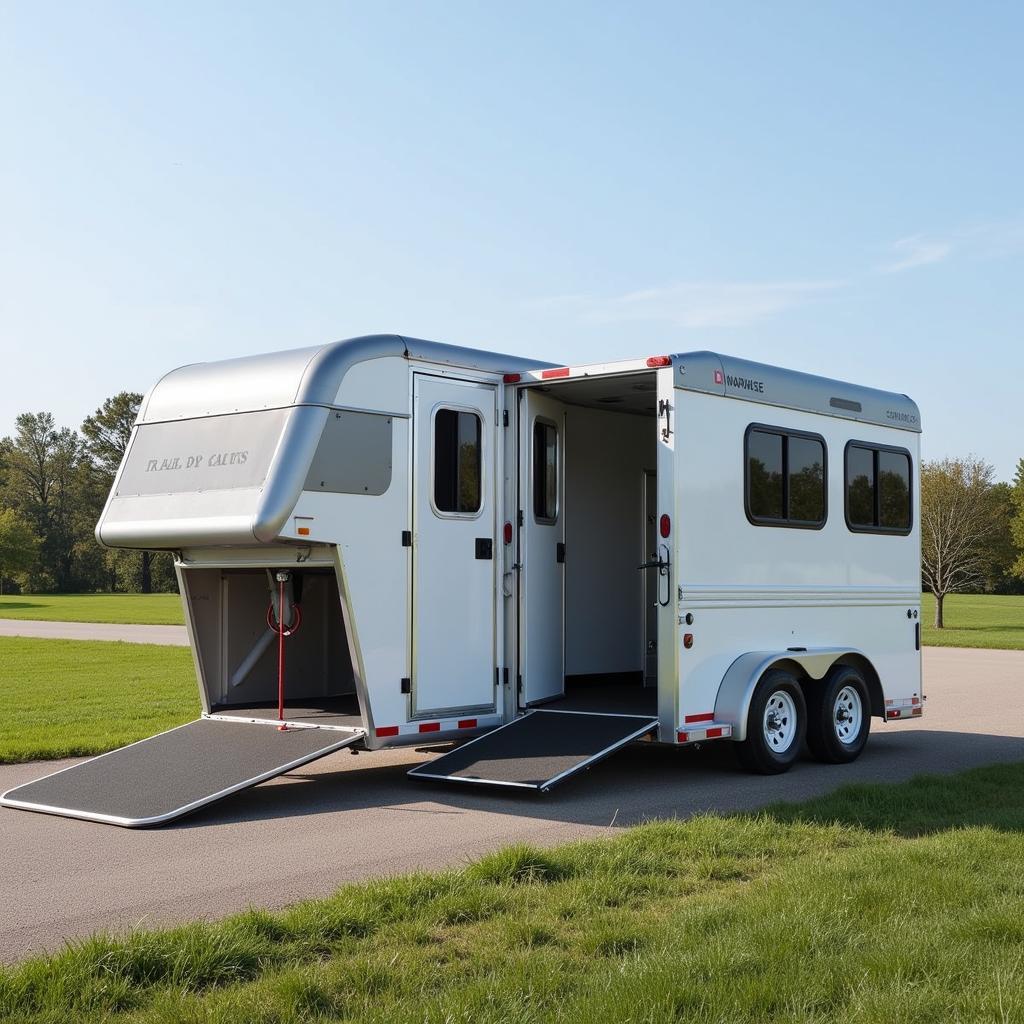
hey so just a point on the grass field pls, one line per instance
(876, 904)
(145, 609)
(975, 620)
(67, 697)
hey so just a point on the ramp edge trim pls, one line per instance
(110, 819)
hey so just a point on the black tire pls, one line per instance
(833, 736)
(762, 751)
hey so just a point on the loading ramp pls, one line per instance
(173, 773)
(537, 751)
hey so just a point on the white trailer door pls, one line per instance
(541, 547)
(453, 603)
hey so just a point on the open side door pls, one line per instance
(541, 547)
(173, 773)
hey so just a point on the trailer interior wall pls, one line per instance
(228, 608)
(607, 454)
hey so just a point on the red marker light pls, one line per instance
(507, 533)
(719, 379)
(665, 525)
(687, 640)
(654, 361)
(512, 378)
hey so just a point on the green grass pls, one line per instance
(66, 697)
(144, 609)
(975, 620)
(877, 904)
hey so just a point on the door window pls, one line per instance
(458, 461)
(545, 472)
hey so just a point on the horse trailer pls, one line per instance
(387, 541)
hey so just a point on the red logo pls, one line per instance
(719, 379)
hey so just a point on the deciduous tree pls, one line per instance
(956, 520)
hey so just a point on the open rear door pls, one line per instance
(541, 547)
(175, 772)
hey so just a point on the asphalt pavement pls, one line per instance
(346, 818)
(171, 636)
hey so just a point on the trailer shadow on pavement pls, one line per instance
(637, 784)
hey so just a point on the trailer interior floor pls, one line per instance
(337, 712)
(607, 699)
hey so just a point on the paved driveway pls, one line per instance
(172, 636)
(348, 817)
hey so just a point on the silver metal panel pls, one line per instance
(737, 688)
(354, 454)
(210, 454)
(730, 377)
(305, 376)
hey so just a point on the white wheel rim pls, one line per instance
(848, 715)
(779, 722)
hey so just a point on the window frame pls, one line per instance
(451, 407)
(784, 523)
(875, 447)
(545, 421)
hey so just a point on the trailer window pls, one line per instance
(785, 478)
(877, 489)
(545, 472)
(457, 462)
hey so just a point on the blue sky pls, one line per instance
(831, 187)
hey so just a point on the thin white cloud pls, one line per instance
(695, 304)
(916, 251)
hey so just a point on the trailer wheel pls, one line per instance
(776, 724)
(839, 716)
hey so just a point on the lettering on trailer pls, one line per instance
(216, 459)
(901, 417)
(745, 383)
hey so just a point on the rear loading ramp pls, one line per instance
(538, 750)
(173, 773)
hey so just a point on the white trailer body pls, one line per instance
(553, 561)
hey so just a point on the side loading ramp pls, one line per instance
(537, 751)
(173, 773)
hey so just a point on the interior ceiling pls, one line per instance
(634, 393)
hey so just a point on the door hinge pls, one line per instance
(519, 683)
(560, 552)
(407, 538)
(519, 518)
(504, 417)
(406, 685)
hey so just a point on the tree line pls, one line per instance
(54, 482)
(53, 485)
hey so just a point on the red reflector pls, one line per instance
(562, 371)
(916, 712)
(708, 717)
(387, 730)
(712, 734)
(507, 533)
(512, 378)
(430, 726)
(467, 723)
(659, 361)
(665, 525)
(688, 643)
(893, 713)
(683, 737)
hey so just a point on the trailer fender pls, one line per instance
(743, 675)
